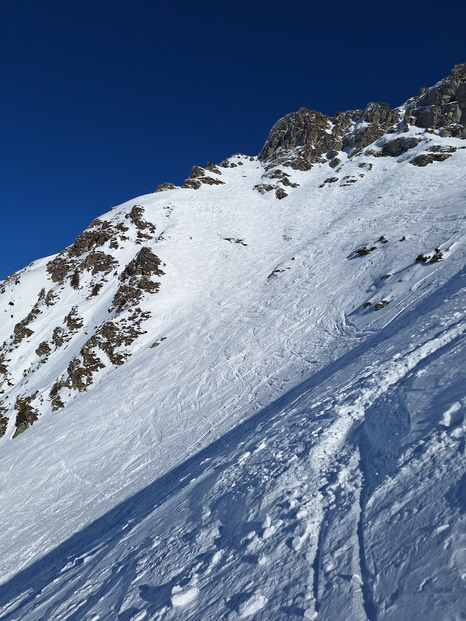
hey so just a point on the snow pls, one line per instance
(284, 452)
(183, 597)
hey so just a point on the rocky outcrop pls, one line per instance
(303, 138)
(198, 177)
(26, 413)
(163, 187)
(136, 279)
(441, 107)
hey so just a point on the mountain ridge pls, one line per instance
(245, 396)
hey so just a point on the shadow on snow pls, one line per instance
(100, 537)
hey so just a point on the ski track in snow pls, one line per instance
(319, 474)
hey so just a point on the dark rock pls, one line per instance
(197, 172)
(262, 188)
(21, 330)
(26, 413)
(135, 217)
(192, 184)
(58, 269)
(286, 182)
(364, 251)
(99, 262)
(210, 166)
(211, 181)
(328, 180)
(303, 138)
(3, 421)
(51, 297)
(428, 158)
(381, 305)
(145, 263)
(72, 321)
(163, 187)
(136, 279)
(90, 238)
(438, 256)
(398, 146)
(441, 107)
(43, 349)
(95, 289)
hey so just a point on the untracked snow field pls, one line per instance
(293, 447)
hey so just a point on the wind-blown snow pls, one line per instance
(285, 452)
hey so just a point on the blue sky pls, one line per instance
(105, 99)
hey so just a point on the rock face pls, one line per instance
(303, 138)
(443, 106)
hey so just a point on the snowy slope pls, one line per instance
(236, 414)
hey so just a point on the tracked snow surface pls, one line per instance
(245, 398)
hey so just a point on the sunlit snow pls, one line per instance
(286, 451)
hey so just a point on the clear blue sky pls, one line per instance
(102, 100)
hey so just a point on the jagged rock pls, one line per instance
(262, 188)
(303, 138)
(95, 289)
(21, 330)
(381, 304)
(90, 238)
(3, 421)
(50, 298)
(3, 366)
(280, 193)
(145, 263)
(58, 269)
(74, 281)
(398, 146)
(135, 216)
(163, 187)
(43, 349)
(438, 256)
(303, 131)
(441, 107)
(136, 279)
(210, 166)
(423, 159)
(288, 183)
(211, 181)
(361, 252)
(192, 184)
(99, 262)
(329, 180)
(80, 372)
(72, 320)
(234, 240)
(197, 172)
(26, 415)
(198, 177)
(58, 336)
(370, 125)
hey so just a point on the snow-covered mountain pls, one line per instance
(245, 397)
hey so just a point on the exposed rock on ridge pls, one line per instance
(441, 107)
(303, 138)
